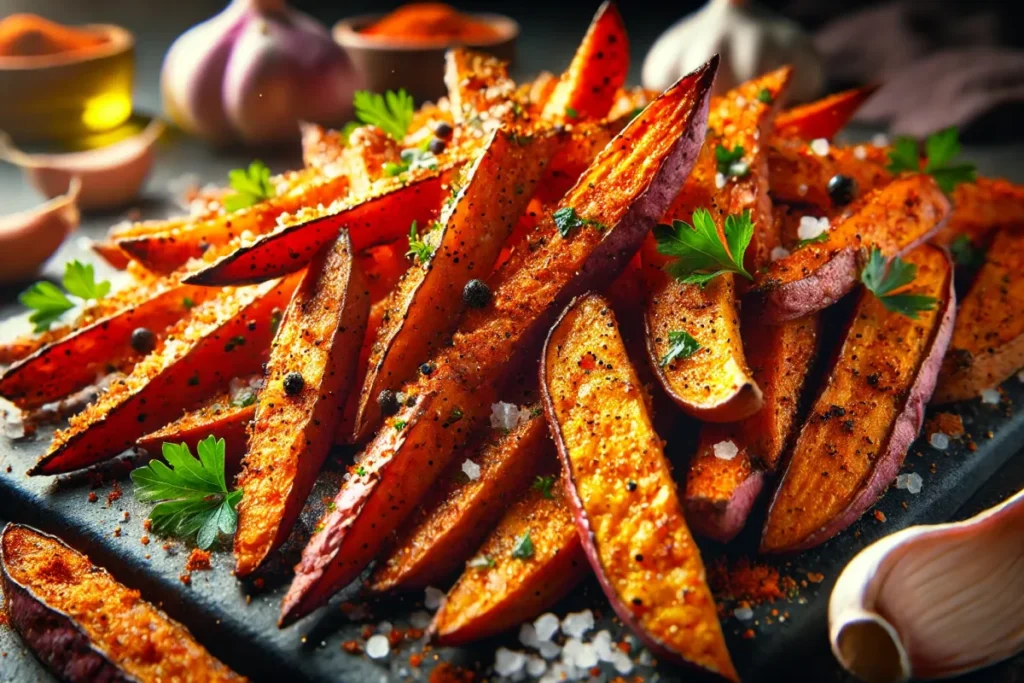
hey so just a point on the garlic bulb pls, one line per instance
(255, 70)
(933, 601)
(750, 42)
(28, 238)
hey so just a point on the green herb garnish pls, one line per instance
(251, 186)
(765, 96)
(191, 495)
(567, 220)
(412, 159)
(188, 303)
(882, 278)
(941, 150)
(544, 484)
(523, 549)
(400, 425)
(481, 562)
(965, 253)
(80, 280)
(360, 471)
(813, 240)
(421, 250)
(392, 112)
(700, 253)
(244, 399)
(730, 162)
(572, 113)
(48, 302)
(680, 346)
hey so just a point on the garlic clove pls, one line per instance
(110, 176)
(933, 601)
(30, 237)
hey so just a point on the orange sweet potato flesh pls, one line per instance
(982, 207)
(75, 361)
(383, 267)
(343, 434)
(80, 620)
(382, 216)
(319, 337)
(825, 117)
(221, 339)
(424, 307)
(630, 184)
(720, 493)
(798, 175)
(448, 528)
(620, 487)
(869, 411)
(588, 88)
(489, 600)
(988, 337)
(477, 84)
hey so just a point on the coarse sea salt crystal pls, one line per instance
(571, 648)
(602, 643)
(377, 647)
(740, 101)
(911, 482)
(743, 613)
(880, 140)
(471, 470)
(586, 658)
(576, 624)
(811, 227)
(433, 597)
(419, 619)
(779, 252)
(860, 152)
(385, 627)
(507, 415)
(719, 180)
(991, 396)
(622, 663)
(820, 146)
(549, 649)
(535, 666)
(528, 635)
(546, 626)
(559, 672)
(508, 662)
(725, 450)
(939, 440)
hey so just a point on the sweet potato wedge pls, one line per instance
(720, 491)
(381, 217)
(450, 525)
(111, 253)
(629, 185)
(982, 207)
(424, 307)
(895, 218)
(309, 374)
(988, 338)
(221, 339)
(85, 626)
(75, 361)
(167, 251)
(825, 117)
(866, 416)
(620, 487)
(799, 176)
(508, 590)
(343, 434)
(477, 84)
(588, 88)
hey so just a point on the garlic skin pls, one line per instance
(933, 601)
(750, 41)
(30, 237)
(252, 72)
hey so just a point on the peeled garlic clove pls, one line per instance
(28, 238)
(933, 601)
(110, 176)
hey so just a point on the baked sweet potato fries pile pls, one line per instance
(492, 301)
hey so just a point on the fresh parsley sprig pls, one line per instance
(412, 159)
(48, 302)
(882, 278)
(251, 185)
(941, 150)
(420, 248)
(700, 253)
(681, 345)
(965, 253)
(191, 495)
(730, 161)
(523, 548)
(544, 484)
(392, 112)
(567, 220)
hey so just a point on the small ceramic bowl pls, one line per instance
(72, 95)
(385, 64)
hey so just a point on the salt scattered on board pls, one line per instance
(939, 440)
(911, 482)
(433, 597)
(377, 647)
(991, 397)
(725, 450)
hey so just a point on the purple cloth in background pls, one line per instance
(940, 63)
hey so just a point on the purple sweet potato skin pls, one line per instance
(817, 291)
(723, 523)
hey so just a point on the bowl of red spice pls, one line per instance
(405, 49)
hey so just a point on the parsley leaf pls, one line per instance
(730, 162)
(941, 149)
(965, 253)
(481, 562)
(680, 346)
(544, 484)
(412, 159)
(244, 399)
(700, 253)
(523, 549)
(400, 425)
(813, 240)
(882, 278)
(80, 280)
(567, 220)
(765, 96)
(903, 156)
(572, 113)
(48, 302)
(419, 248)
(191, 495)
(360, 471)
(251, 186)
(392, 112)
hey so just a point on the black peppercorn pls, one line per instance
(427, 369)
(388, 402)
(293, 383)
(443, 129)
(631, 485)
(436, 145)
(841, 189)
(143, 340)
(476, 294)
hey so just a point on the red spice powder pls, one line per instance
(198, 560)
(949, 424)
(115, 494)
(880, 516)
(449, 673)
(745, 580)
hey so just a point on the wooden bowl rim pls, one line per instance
(120, 40)
(347, 33)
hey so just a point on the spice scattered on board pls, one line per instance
(198, 560)
(748, 581)
(945, 423)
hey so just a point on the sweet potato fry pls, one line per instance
(477, 84)
(537, 92)
(721, 490)
(308, 377)
(383, 267)
(588, 88)
(453, 521)
(509, 588)
(894, 218)
(620, 487)
(343, 434)
(799, 176)
(75, 361)
(629, 185)
(382, 217)
(111, 253)
(86, 626)
(466, 242)
(221, 339)
(870, 410)
(988, 338)
(822, 118)
(982, 207)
